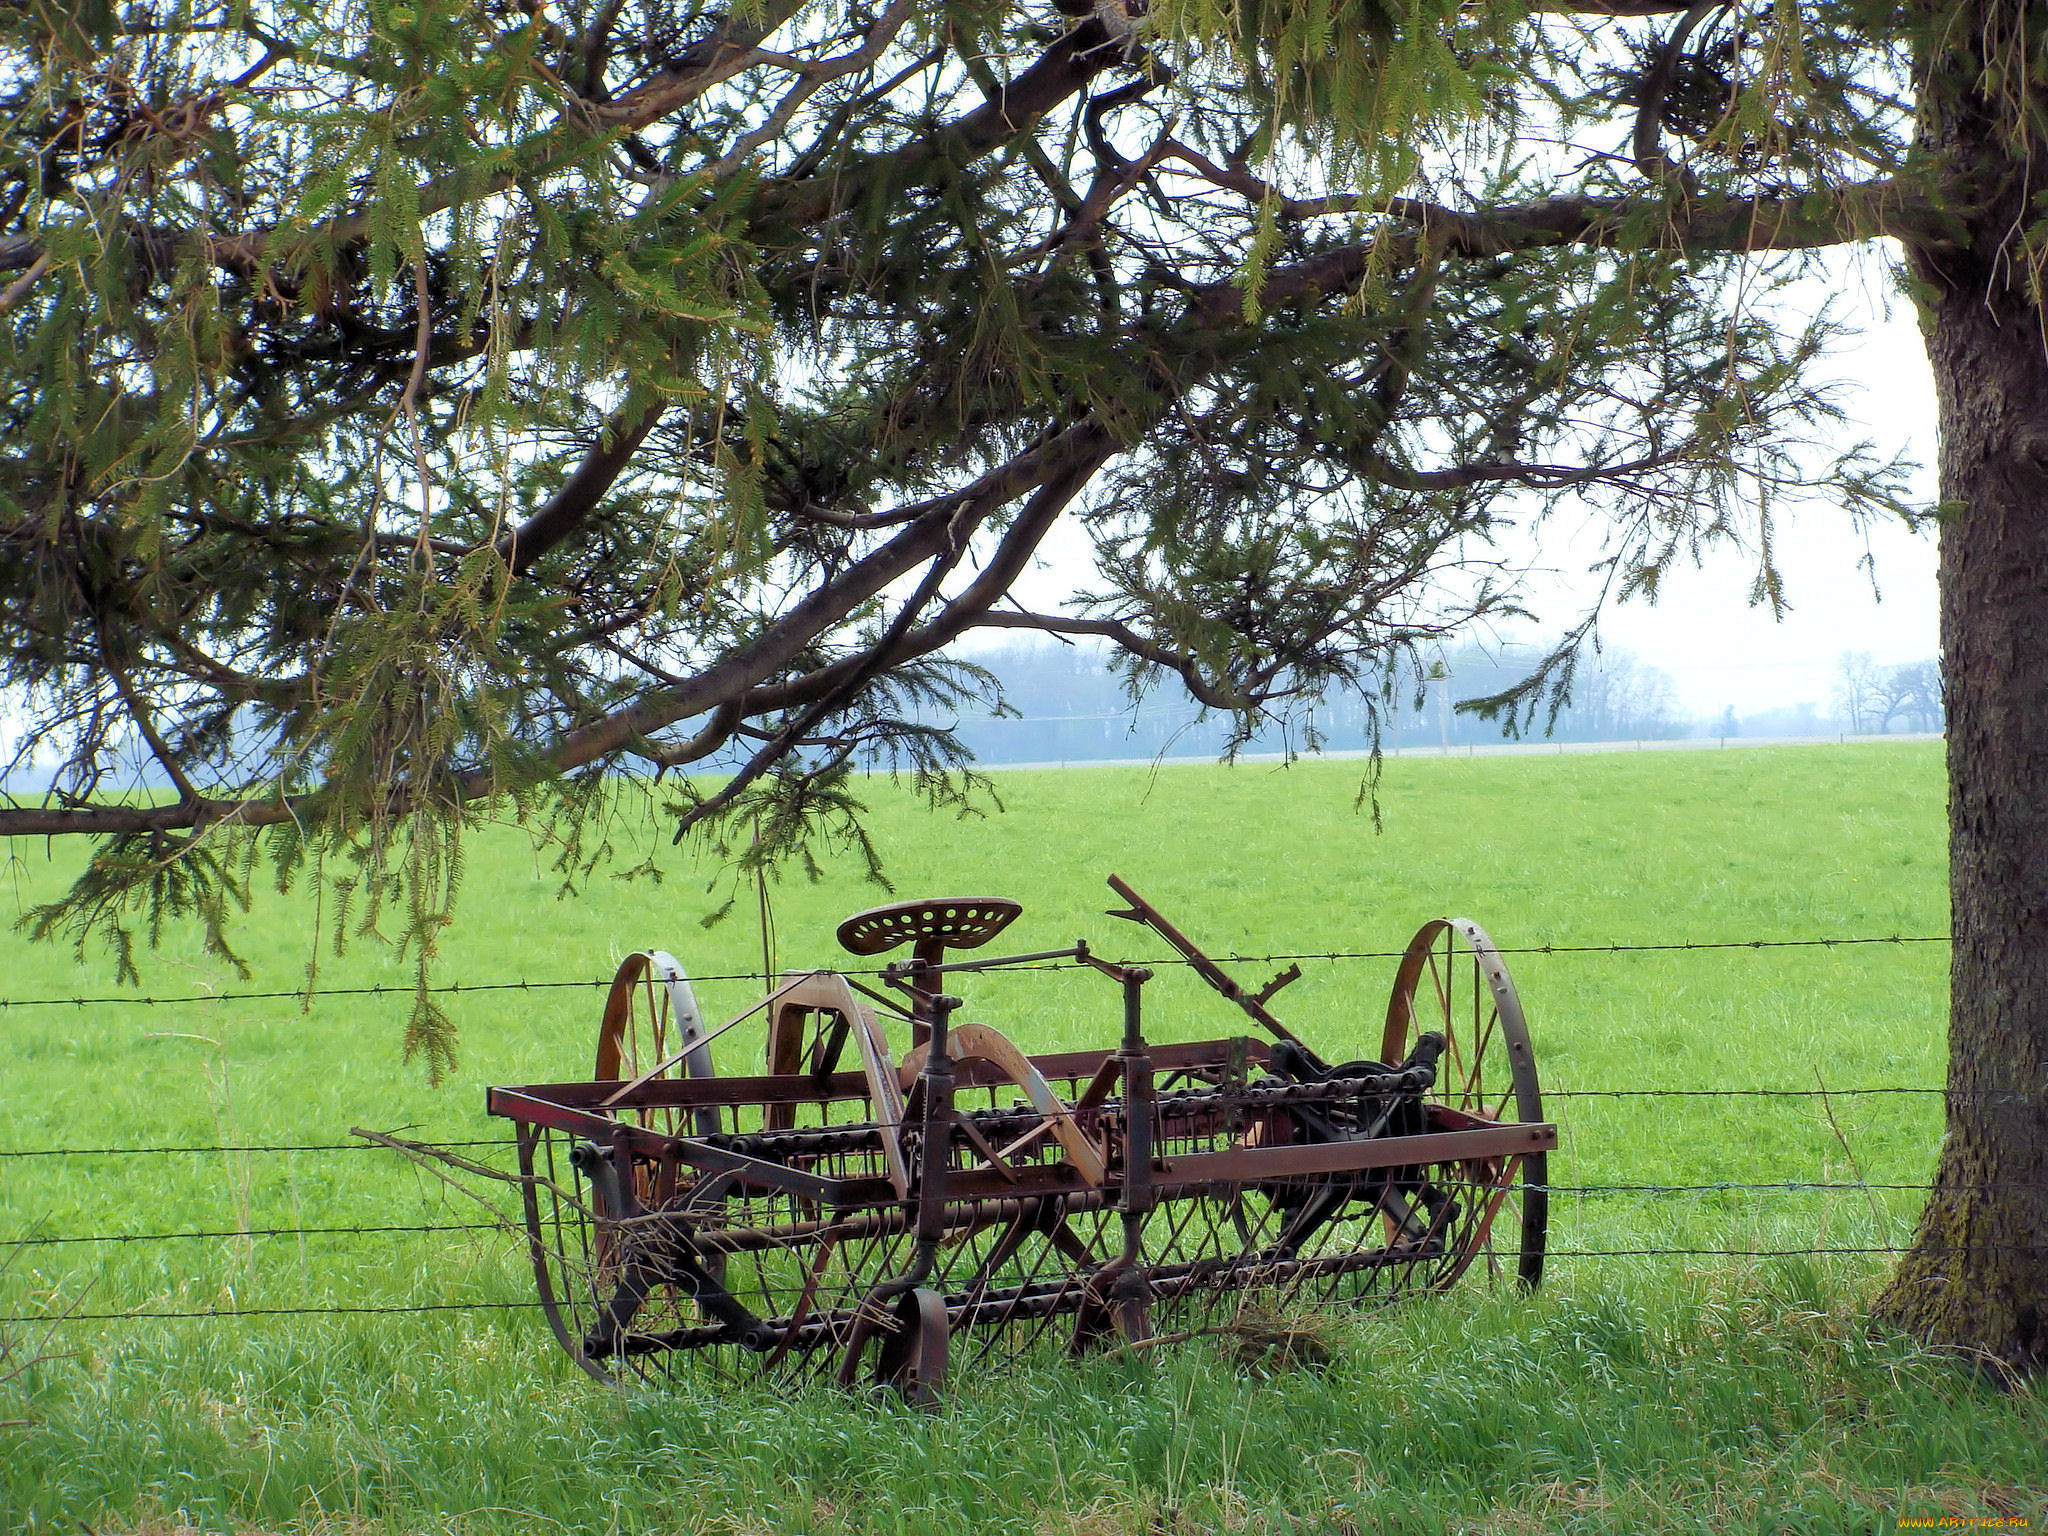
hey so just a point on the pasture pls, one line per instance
(1687, 1391)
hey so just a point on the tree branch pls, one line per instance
(158, 747)
(1127, 639)
(1615, 9)
(1088, 451)
(578, 496)
(185, 815)
(1895, 206)
(1063, 69)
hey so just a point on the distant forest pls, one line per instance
(1070, 707)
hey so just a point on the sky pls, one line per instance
(1721, 651)
(1718, 650)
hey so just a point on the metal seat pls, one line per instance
(951, 922)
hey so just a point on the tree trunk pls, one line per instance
(1976, 1278)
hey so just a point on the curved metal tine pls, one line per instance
(1083, 1258)
(887, 1251)
(1313, 1246)
(811, 1358)
(1266, 1230)
(973, 1336)
(1008, 1336)
(1441, 1248)
(767, 1285)
(1487, 1210)
(813, 1272)
(1208, 1222)
(1485, 1236)
(1458, 1250)
(1437, 1231)
(1169, 1248)
(1012, 1335)
(1244, 1227)
(756, 1210)
(1000, 1252)
(1363, 1281)
(870, 1259)
(579, 1221)
(1291, 1286)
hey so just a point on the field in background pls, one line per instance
(1688, 1392)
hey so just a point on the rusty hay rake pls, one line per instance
(875, 1218)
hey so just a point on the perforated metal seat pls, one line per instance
(950, 922)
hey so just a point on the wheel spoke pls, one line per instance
(1445, 1008)
(1475, 1087)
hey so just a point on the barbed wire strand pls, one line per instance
(2009, 1095)
(48, 1240)
(352, 1310)
(1799, 1186)
(1757, 1093)
(400, 990)
(308, 1146)
(393, 1309)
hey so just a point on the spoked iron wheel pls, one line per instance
(650, 1015)
(652, 1028)
(1452, 980)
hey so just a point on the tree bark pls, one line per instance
(1976, 1278)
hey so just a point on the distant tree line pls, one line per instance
(1068, 704)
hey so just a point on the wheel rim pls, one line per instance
(1452, 980)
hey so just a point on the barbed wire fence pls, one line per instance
(15, 1246)
(304, 995)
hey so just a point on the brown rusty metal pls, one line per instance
(880, 1219)
(1253, 1003)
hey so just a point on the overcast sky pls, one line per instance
(1719, 650)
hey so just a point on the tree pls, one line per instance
(419, 409)
(1873, 698)
(1617, 698)
(1913, 696)
(1857, 693)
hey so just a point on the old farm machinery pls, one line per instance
(873, 1216)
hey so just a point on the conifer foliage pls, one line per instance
(417, 408)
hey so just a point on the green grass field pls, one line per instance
(1664, 1393)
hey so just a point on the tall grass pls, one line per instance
(1658, 1394)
